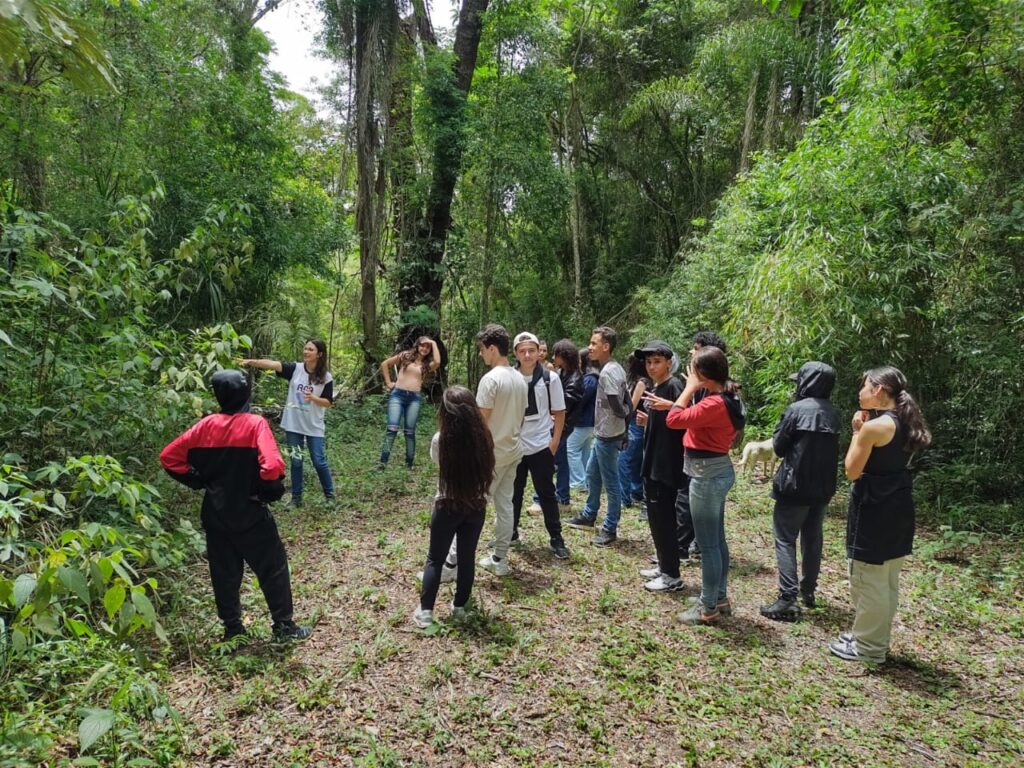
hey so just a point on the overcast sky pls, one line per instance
(292, 27)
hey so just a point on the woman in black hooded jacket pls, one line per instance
(807, 439)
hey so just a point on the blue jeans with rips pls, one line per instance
(402, 405)
(604, 469)
(707, 505)
(319, 457)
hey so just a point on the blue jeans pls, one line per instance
(578, 450)
(604, 469)
(562, 471)
(402, 404)
(561, 474)
(631, 482)
(707, 505)
(316, 453)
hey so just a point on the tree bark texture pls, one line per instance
(422, 276)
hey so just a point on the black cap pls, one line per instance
(655, 347)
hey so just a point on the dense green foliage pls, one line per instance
(831, 180)
(891, 234)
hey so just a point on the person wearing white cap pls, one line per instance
(539, 438)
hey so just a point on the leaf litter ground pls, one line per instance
(574, 664)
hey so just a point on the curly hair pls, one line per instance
(465, 449)
(413, 355)
(494, 335)
(566, 350)
(709, 339)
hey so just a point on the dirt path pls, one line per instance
(574, 664)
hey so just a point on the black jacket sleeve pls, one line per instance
(785, 434)
(191, 478)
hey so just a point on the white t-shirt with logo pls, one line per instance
(300, 415)
(503, 390)
(536, 432)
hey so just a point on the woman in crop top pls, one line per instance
(710, 424)
(404, 401)
(887, 431)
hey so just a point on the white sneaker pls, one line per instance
(651, 573)
(664, 584)
(494, 565)
(534, 509)
(458, 613)
(447, 574)
(423, 618)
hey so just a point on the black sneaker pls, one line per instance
(289, 631)
(781, 610)
(231, 631)
(581, 523)
(559, 550)
(296, 502)
(604, 538)
(807, 598)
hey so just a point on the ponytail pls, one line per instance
(911, 419)
(892, 380)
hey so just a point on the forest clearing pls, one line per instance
(818, 182)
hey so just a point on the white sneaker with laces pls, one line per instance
(448, 574)
(499, 567)
(650, 573)
(664, 583)
(423, 618)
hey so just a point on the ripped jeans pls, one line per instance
(402, 405)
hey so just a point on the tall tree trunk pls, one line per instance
(422, 278)
(366, 41)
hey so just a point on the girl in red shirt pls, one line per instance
(711, 413)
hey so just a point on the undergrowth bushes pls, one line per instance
(892, 234)
(94, 379)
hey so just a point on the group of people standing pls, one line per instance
(687, 428)
(579, 421)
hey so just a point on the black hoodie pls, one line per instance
(807, 439)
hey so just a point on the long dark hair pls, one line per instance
(319, 374)
(413, 355)
(465, 449)
(711, 363)
(892, 380)
(636, 370)
(566, 350)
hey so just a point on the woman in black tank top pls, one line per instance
(887, 431)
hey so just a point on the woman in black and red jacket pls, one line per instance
(234, 457)
(710, 424)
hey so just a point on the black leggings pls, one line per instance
(260, 547)
(464, 525)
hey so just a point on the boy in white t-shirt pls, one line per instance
(501, 397)
(539, 438)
